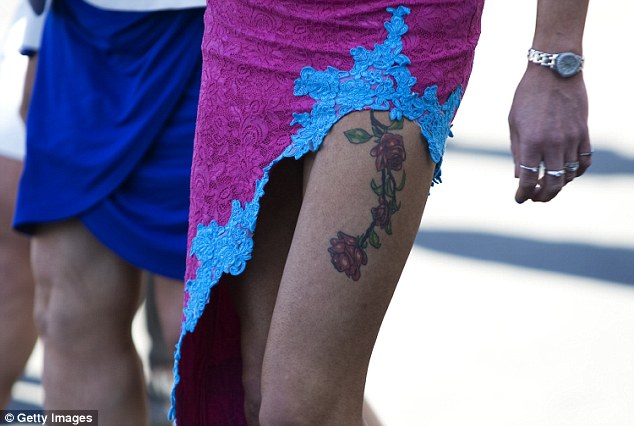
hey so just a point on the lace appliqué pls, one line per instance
(379, 80)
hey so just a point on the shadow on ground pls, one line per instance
(604, 162)
(603, 263)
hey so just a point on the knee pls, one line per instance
(277, 412)
(44, 282)
(286, 409)
(66, 309)
(252, 404)
(252, 396)
(311, 403)
(57, 323)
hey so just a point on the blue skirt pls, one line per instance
(111, 127)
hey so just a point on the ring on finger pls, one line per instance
(530, 169)
(556, 173)
(572, 166)
(585, 154)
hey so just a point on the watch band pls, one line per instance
(550, 60)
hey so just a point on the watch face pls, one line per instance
(567, 64)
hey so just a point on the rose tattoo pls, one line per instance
(347, 256)
(347, 252)
(389, 152)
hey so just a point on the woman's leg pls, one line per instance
(86, 297)
(255, 291)
(366, 188)
(168, 296)
(163, 308)
(16, 286)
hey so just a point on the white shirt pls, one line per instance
(145, 5)
(12, 72)
(35, 24)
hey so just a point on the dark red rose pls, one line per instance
(381, 214)
(389, 152)
(347, 256)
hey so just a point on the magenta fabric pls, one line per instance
(253, 51)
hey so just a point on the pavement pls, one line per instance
(511, 314)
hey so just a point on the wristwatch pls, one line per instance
(566, 64)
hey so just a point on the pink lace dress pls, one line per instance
(276, 76)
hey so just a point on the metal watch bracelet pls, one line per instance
(565, 64)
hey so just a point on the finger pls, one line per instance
(585, 156)
(571, 164)
(554, 172)
(571, 167)
(527, 164)
(578, 160)
(514, 151)
(550, 185)
(529, 176)
(571, 171)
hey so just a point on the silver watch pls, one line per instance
(566, 64)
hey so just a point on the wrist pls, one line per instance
(565, 64)
(555, 44)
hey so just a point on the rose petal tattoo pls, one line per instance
(347, 252)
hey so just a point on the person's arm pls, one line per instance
(549, 115)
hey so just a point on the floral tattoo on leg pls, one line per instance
(347, 252)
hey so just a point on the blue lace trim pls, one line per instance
(379, 80)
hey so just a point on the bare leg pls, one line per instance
(169, 302)
(164, 307)
(16, 286)
(86, 298)
(255, 290)
(325, 323)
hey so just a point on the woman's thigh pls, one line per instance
(365, 191)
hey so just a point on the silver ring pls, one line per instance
(572, 166)
(556, 173)
(530, 169)
(585, 154)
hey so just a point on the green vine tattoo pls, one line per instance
(347, 252)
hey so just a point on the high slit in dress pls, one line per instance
(277, 74)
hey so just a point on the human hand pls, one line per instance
(549, 126)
